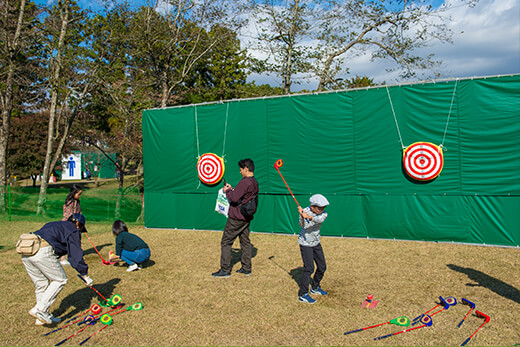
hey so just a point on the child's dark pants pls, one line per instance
(309, 256)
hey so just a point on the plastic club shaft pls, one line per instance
(277, 165)
(71, 336)
(81, 278)
(373, 326)
(97, 317)
(103, 260)
(76, 319)
(400, 332)
(419, 317)
(99, 293)
(486, 319)
(88, 338)
(443, 303)
(466, 302)
(67, 325)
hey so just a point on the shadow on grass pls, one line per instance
(81, 299)
(99, 248)
(296, 273)
(483, 280)
(148, 263)
(236, 254)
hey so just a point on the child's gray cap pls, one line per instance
(318, 200)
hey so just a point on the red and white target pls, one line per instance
(210, 168)
(423, 161)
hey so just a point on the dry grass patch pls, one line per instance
(185, 305)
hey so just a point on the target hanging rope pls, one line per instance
(210, 168)
(423, 161)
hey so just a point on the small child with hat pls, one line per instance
(310, 221)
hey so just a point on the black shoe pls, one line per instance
(242, 271)
(221, 273)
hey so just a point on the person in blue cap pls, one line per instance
(56, 239)
(310, 222)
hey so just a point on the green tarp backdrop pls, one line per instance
(347, 146)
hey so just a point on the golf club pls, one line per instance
(93, 288)
(76, 333)
(427, 323)
(88, 338)
(277, 166)
(401, 321)
(105, 262)
(446, 303)
(106, 319)
(96, 309)
(466, 302)
(480, 315)
(97, 317)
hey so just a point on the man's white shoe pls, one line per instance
(54, 320)
(132, 267)
(64, 262)
(44, 317)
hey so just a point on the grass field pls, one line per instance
(185, 305)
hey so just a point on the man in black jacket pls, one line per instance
(57, 239)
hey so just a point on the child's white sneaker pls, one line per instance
(132, 267)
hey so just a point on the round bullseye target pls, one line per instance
(210, 168)
(423, 161)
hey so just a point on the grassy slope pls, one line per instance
(184, 305)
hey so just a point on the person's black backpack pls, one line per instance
(248, 208)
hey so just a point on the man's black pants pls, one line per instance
(235, 228)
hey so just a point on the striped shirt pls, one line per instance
(310, 229)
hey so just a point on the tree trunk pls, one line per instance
(140, 185)
(165, 91)
(42, 200)
(7, 106)
(120, 195)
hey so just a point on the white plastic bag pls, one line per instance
(222, 205)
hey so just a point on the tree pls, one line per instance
(388, 29)
(334, 32)
(121, 92)
(168, 46)
(220, 75)
(18, 24)
(283, 26)
(26, 154)
(360, 82)
(65, 81)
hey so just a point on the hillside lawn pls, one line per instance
(185, 305)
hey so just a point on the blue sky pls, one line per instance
(489, 45)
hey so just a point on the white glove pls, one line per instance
(88, 280)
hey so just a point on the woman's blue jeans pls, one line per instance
(138, 256)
